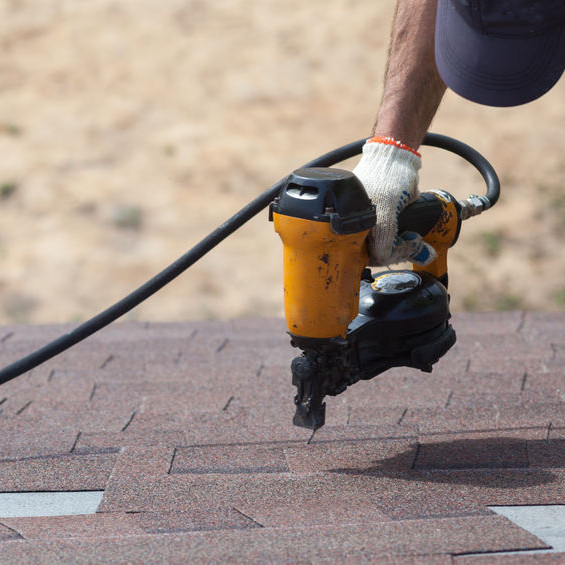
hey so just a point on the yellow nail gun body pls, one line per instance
(323, 224)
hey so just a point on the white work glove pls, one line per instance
(388, 170)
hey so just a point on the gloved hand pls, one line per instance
(388, 170)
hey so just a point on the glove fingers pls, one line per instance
(410, 246)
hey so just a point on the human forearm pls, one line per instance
(413, 88)
(389, 170)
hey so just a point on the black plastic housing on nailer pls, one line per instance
(326, 195)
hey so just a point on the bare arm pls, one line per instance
(413, 88)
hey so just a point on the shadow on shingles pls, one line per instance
(490, 462)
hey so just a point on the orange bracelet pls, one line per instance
(392, 141)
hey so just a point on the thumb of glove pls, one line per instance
(410, 246)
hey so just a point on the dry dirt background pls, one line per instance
(129, 129)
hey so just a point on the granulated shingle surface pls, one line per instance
(187, 428)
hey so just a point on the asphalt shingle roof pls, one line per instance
(187, 428)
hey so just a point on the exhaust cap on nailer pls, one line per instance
(326, 194)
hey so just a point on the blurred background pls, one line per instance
(129, 129)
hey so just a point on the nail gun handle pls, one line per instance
(422, 215)
(436, 216)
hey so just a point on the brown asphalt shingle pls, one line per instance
(187, 428)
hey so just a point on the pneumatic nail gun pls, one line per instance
(350, 323)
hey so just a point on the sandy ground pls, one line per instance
(129, 129)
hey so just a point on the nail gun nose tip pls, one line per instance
(310, 418)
